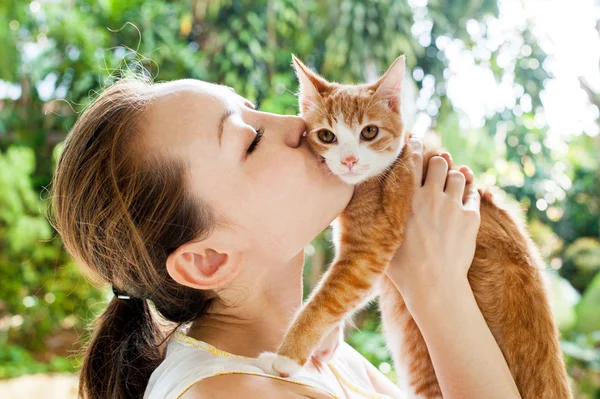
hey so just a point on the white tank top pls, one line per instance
(188, 361)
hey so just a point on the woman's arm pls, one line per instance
(467, 360)
(430, 271)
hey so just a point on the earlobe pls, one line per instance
(202, 268)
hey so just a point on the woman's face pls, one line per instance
(277, 197)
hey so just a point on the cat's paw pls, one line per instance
(327, 348)
(274, 364)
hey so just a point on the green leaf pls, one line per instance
(588, 309)
(563, 301)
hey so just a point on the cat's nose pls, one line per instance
(350, 161)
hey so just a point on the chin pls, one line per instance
(353, 178)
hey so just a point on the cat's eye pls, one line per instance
(369, 133)
(326, 136)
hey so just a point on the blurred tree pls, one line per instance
(56, 54)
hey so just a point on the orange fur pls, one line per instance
(505, 275)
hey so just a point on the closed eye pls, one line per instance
(259, 135)
(253, 107)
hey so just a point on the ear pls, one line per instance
(203, 266)
(311, 85)
(390, 84)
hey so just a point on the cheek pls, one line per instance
(331, 152)
(277, 184)
(368, 156)
(288, 200)
(377, 161)
(333, 157)
(275, 213)
(279, 171)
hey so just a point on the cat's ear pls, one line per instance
(311, 85)
(389, 86)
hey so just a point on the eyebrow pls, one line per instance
(224, 117)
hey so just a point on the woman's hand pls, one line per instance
(440, 234)
(430, 270)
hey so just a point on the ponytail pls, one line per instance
(122, 352)
(121, 208)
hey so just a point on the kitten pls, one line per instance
(359, 133)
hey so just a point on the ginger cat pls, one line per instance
(359, 133)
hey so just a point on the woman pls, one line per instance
(164, 191)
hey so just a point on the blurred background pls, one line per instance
(510, 87)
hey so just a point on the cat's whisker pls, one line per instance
(380, 179)
(394, 182)
(386, 179)
(396, 178)
(400, 162)
(370, 104)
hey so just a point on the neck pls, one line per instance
(250, 318)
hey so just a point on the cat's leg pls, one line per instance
(416, 376)
(371, 230)
(328, 346)
(345, 286)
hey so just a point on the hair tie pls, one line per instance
(120, 294)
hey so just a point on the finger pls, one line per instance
(473, 199)
(455, 185)
(468, 173)
(436, 173)
(416, 146)
(448, 158)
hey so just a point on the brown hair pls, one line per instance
(120, 213)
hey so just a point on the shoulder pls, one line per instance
(251, 387)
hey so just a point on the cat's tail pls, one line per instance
(509, 286)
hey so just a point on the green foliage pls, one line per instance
(582, 261)
(588, 314)
(564, 299)
(579, 324)
(16, 360)
(248, 45)
(42, 292)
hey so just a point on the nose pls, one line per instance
(292, 128)
(286, 128)
(349, 161)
